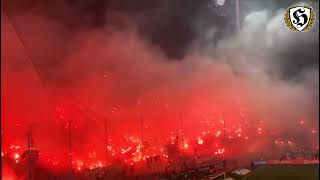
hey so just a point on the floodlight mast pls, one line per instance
(237, 15)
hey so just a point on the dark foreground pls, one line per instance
(285, 172)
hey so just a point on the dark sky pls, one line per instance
(167, 24)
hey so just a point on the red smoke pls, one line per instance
(94, 75)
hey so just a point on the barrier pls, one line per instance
(293, 161)
(261, 162)
(212, 177)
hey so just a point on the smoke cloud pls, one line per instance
(84, 69)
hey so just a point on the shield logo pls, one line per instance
(299, 17)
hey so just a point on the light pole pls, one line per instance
(106, 139)
(182, 133)
(29, 153)
(70, 148)
(237, 15)
(141, 133)
(225, 144)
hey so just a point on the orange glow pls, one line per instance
(218, 133)
(16, 156)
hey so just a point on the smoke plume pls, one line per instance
(58, 67)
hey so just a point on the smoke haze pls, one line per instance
(157, 59)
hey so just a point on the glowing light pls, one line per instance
(218, 133)
(80, 163)
(301, 122)
(200, 140)
(130, 151)
(16, 156)
(123, 151)
(220, 151)
(259, 131)
(14, 147)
